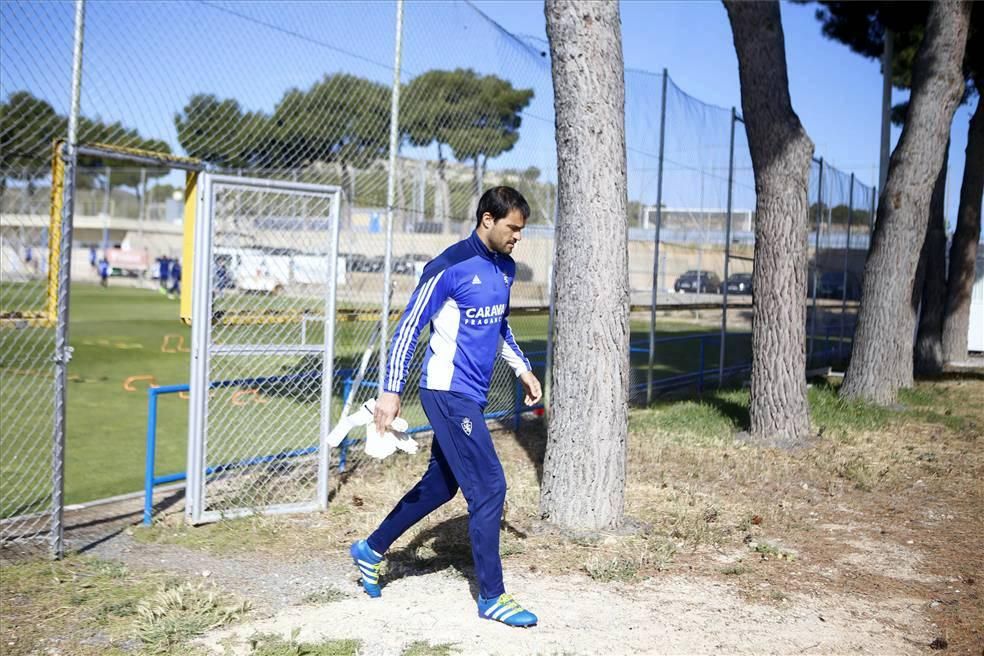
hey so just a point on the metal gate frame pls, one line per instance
(202, 349)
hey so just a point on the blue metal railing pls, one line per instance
(839, 349)
(150, 464)
(150, 458)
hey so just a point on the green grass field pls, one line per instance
(119, 333)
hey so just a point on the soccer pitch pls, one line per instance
(125, 339)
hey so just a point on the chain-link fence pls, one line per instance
(30, 453)
(260, 413)
(27, 375)
(702, 207)
(303, 92)
(840, 219)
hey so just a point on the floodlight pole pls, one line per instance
(659, 221)
(816, 261)
(63, 352)
(847, 255)
(390, 195)
(105, 211)
(727, 250)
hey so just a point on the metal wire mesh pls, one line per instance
(27, 402)
(27, 334)
(695, 196)
(271, 254)
(840, 216)
(263, 89)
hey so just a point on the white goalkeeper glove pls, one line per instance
(381, 446)
(377, 446)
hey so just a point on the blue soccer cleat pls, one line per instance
(368, 562)
(505, 609)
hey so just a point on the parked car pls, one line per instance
(831, 285)
(705, 282)
(359, 263)
(404, 264)
(740, 283)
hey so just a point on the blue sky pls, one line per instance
(144, 59)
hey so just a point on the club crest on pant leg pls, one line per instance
(466, 425)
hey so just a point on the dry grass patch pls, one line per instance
(175, 614)
(84, 606)
(775, 523)
(270, 645)
(427, 649)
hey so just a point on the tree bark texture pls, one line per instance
(781, 155)
(963, 250)
(929, 291)
(584, 469)
(881, 362)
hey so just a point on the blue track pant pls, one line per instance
(462, 456)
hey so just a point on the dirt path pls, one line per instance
(672, 615)
(669, 614)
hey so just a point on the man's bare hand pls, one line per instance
(387, 409)
(532, 387)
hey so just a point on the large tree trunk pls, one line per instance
(929, 291)
(881, 362)
(584, 468)
(781, 154)
(963, 250)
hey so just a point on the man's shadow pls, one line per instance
(445, 545)
(532, 437)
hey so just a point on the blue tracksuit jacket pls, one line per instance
(464, 295)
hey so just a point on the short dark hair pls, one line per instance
(499, 201)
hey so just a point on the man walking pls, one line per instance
(464, 295)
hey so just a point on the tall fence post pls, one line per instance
(816, 262)
(390, 194)
(727, 251)
(847, 257)
(63, 352)
(106, 210)
(871, 216)
(548, 356)
(142, 204)
(659, 221)
(150, 456)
